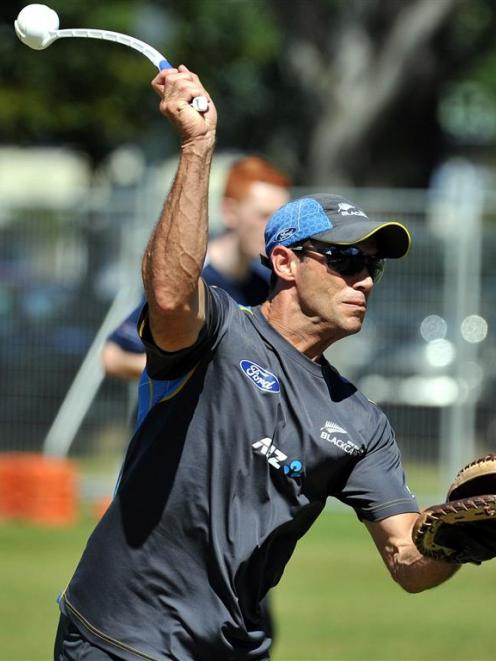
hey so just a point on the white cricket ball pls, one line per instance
(35, 26)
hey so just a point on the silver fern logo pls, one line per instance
(328, 433)
(333, 428)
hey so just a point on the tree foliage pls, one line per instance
(332, 90)
(86, 93)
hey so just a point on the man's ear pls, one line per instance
(230, 212)
(283, 263)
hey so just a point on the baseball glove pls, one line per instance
(463, 529)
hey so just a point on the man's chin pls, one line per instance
(354, 327)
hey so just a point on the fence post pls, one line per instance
(87, 381)
(458, 199)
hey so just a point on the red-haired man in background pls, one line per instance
(254, 190)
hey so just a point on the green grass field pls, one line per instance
(336, 600)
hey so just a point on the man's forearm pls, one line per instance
(175, 253)
(408, 567)
(416, 573)
(176, 250)
(121, 364)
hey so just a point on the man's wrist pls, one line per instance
(199, 145)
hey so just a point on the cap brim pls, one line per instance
(393, 238)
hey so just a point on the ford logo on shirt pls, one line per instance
(263, 379)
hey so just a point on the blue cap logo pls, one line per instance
(294, 222)
(285, 234)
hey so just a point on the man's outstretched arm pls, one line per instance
(412, 570)
(175, 253)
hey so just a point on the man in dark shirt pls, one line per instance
(244, 428)
(254, 189)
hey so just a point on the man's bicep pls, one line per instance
(173, 330)
(165, 365)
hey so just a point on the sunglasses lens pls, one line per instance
(376, 270)
(353, 264)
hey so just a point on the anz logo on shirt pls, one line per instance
(276, 458)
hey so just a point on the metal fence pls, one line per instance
(426, 355)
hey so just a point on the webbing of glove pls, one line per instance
(459, 531)
(477, 478)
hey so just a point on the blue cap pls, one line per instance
(333, 219)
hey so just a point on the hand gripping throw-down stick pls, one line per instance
(37, 27)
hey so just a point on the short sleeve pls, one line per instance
(164, 365)
(376, 487)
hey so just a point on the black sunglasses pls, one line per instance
(347, 260)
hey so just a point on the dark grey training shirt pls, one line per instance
(240, 440)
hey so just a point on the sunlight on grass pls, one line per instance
(336, 601)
